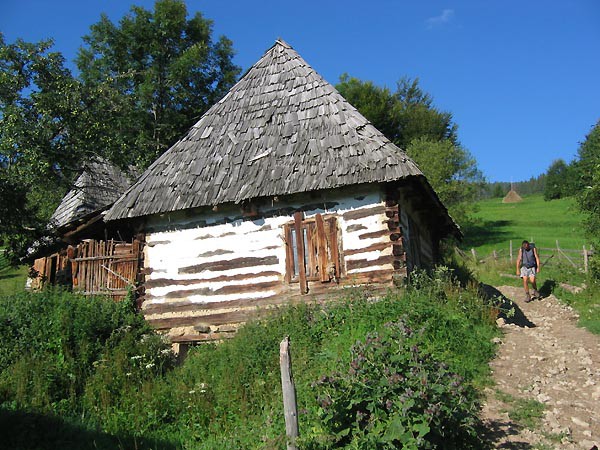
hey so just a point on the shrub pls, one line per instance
(396, 395)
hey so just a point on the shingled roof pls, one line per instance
(98, 186)
(282, 129)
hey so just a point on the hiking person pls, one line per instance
(528, 265)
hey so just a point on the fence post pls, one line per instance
(510, 250)
(585, 260)
(557, 249)
(474, 254)
(289, 394)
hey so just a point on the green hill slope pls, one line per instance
(533, 219)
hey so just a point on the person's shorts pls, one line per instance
(528, 272)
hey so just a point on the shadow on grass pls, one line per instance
(29, 431)
(509, 310)
(547, 288)
(496, 432)
(487, 232)
(8, 276)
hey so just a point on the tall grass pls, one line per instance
(97, 370)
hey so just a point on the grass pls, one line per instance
(526, 412)
(223, 396)
(539, 221)
(12, 280)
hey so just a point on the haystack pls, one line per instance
(512, 197)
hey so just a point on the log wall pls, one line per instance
(207, 273)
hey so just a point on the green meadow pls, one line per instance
(495, 224)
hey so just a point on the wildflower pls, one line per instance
(149, 365)
(136, 357)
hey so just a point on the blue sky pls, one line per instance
(521, 78)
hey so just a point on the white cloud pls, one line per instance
(446, 16)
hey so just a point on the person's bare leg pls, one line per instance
(534, 286)
(526, 287)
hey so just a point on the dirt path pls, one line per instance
(545, 356)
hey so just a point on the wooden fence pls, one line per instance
(92, 268)
(578, 259)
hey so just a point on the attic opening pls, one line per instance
(312, 250)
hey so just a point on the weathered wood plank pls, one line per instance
(322, 248)
(374, 234)
(237, 316)
(362, 263)
(163, 282)
(235, 263)
(363, 212)
(162, 308)
(334, 246)
(371, 248)
(298, 216)
(225, 290)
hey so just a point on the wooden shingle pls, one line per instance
(282, 129)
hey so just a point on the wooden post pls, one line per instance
(474, 254)
(510, 251)
(585, 260)
(557, 249)
(290, 409)
(495, 255)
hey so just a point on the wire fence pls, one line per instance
(577, 258)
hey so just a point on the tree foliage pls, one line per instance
(39, 104)
(142, 83)
(588, 166)
(162, 70)
(560, 180)
(429, 136)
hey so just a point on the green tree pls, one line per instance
(39, 102)
(451, 170)
(408, 118)
(558, 184)
(161, 71)
(588, 167)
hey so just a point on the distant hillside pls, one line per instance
(544, 222)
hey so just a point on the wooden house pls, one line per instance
(282, 191)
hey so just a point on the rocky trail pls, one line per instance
(544, 356)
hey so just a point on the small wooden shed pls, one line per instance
(282, 191)
(81, 250)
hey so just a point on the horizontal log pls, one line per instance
(370, 248)
(200, 337)
(185, 306)
(363, 263)
(225, 290)
(215, 253)
(236, 263)
(393, 224)
(154, 243)
(237, 316)
(364, 212)
(374, 234)
(162, 282)
(355, 227)
(398, 249)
